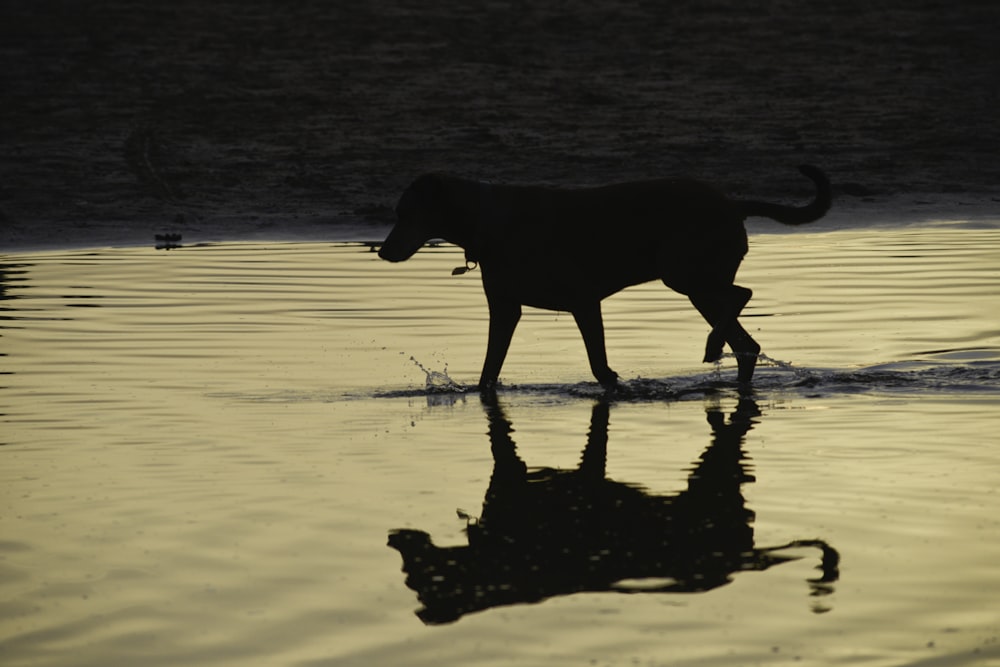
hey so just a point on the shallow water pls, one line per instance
(206, 450)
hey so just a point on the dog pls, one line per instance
(568, 249)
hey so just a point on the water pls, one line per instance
(205, 453)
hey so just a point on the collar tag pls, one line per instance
(459, 270)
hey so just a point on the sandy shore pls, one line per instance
(229, 120)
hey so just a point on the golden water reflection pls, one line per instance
(203, 450)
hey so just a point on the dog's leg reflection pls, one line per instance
(594, 462)
(509, 468)
(507, 465)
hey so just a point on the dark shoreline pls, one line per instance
(279, 228)
(231, 120)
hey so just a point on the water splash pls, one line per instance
(762, 360)
(439, 382)
(783, 365)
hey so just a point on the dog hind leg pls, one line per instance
(721, 311)
(725, 316)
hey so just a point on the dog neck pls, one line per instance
(475, 243)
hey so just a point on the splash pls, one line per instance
(768, 361)
(439, 382)
(762, 361)
(765, 361)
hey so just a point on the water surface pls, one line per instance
(206, 451)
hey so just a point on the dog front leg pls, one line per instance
(588, 319)
(504, 316)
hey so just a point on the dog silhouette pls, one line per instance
(568, 249)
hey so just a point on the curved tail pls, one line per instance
(795, 215)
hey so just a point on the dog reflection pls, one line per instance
(547, 532)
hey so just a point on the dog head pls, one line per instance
(419, 218)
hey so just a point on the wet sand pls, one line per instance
(239, 120)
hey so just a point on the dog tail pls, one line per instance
(795, 215)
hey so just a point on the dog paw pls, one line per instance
(608, 379)
(745, 373)
(713, 347)
(746, 363)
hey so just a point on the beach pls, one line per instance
(231, 434)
